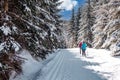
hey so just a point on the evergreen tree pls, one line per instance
(87, 21)
(28, 25)
(106, 29)
(73, 29)
(90, 22)
(78, 22)
(78, 16)
(55, 12)
(82, 24)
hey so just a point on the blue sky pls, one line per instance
(67, 6)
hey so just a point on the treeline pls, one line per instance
(98, 23)
(34, 25)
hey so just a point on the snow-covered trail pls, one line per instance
(68, 64)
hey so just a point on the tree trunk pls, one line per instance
(5, 6)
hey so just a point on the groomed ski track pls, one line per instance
(67, 65)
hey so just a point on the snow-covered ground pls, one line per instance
(68, 64)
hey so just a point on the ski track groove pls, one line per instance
(53, 63)
(56, 68)
(51, 67)
(36, 75)
(65, 66)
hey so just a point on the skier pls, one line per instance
(80, 44)
(83, 47)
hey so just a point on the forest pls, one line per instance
(98, 23)
(37, 26)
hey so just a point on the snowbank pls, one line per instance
(31, 66)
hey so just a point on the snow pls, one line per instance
(32, 25)
(105, 64)
(27, 8)
(14, 28)
(119, 8)
(16, 46)
(0, 65)
(6, 30)
(112, 23)
(30, 66)
(51, 26)
(7, 17)
(68, 64)
(42, 21)
(45, 13)
(2, 46)
(43, 34)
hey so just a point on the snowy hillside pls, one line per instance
(68, 64)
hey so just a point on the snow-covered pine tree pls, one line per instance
(86, 23)
(82, 24)
(55, 12)
(73, 30)
(26, 25)
(9, 47)
(106, 27)
(112, 28)
(81, 31)
(78, 16)
(90, 21)
(78, 22)
(66, 33)
(100, 23)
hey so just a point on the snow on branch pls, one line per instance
(23, 20)
(6, 30)
(112, 23)
(46, 13)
